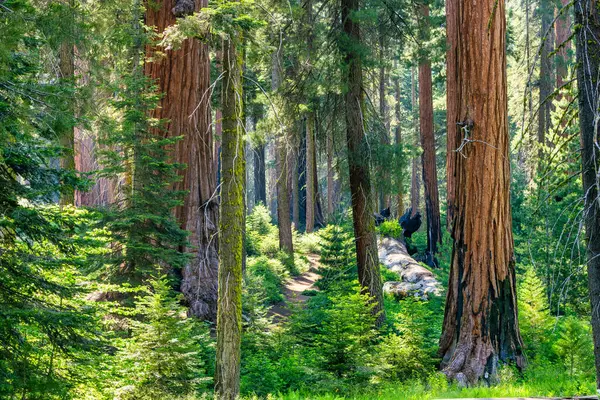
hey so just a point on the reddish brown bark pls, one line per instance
(432, 200)
(398, 137)
(103, 192)
(415, 187)
(452, 101)
(183, 76)
(480, 322)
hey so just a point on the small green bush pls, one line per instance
(390, 229)
(308, 243)
(271, 275)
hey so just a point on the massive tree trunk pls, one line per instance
(229, 316)
(480, 322)
(358, 163)
(587, 18)
(452, 104)
(284, 220)
(311, 191)
(432, 200)
(547, 36)
(398, 135)
(184, 78)
(415, 182)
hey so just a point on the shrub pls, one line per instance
(167, 351)
(308, 243)
(259, 221)
(270, 274)
(390, 229)
(574, 346)
(535, 320)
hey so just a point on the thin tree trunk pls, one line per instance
(310, 172)
(184, 77)
(384, 197)
(398, 135)
(295, 187)
(545, 72)
(260, 188)
(66, 135)
(358, 164)
(415, 188)
(284, 220)
(587, 19)
(480, 322)
(330, 172)
(229, 316)
(563, 45)
(432, 201)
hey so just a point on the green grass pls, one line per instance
(542, 383)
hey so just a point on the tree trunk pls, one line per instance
(295, 187)
(284, 220)
(587, 19)
(415, 187)
(330, 172)
(358, 163)
(229, 316)
(260, 188)
(398, 135)
(66, 134)
(452, 103)
(184, 77)
(432, 201)
(563, 44)
(384, 197)
(480, 322)
(545, 72)
(310, 172)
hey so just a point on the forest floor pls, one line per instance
(293, 289)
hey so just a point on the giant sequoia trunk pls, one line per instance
(358, 163)
(432, 200)
(231, 229)
(183, 76)
(480, 322)
(587, 18)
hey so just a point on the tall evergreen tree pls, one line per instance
(480, 327)
(358, 160)
(587, 19)
(229, 314)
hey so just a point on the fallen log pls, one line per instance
(417, 281)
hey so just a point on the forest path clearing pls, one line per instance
(294, 287)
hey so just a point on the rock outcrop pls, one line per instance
(417, 281)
